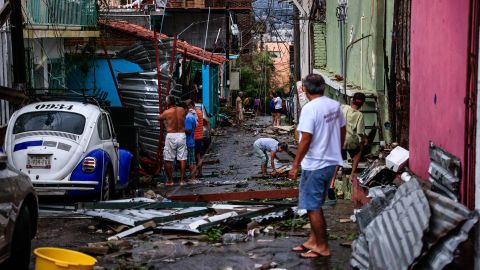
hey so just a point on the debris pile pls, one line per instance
(188, 213)
(410, 227)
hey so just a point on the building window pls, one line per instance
(56, 71)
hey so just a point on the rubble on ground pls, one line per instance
(414, 227)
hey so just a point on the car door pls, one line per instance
(6, 207)
(108, 142)
(116, 147)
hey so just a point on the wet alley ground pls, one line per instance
(233, 148)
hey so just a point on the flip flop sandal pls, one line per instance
(311, 255)
(300, 248)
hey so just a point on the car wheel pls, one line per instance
(107, 187)
(21, 242)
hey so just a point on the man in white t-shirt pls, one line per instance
(278, 108)
(322, 134)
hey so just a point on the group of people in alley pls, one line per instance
(328, 131)
(184, 141)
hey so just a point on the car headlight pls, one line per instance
(89, 164)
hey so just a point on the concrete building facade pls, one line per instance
(280, 54)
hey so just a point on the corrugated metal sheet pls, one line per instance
(180, 220)
(320, 44)
(360, 257)
(140, 92)
(444, 169)
(131, 216)
(143, 54)
(370, 211)
(396, 237)
(446, 216)
(442, 253)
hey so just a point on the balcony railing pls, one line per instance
(61, 12)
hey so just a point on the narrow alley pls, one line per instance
(239, 134)
(171, 250)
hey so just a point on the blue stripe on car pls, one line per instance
(124, 171)
(102, 157)
(25, 145)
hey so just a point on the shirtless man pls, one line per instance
(176, 140)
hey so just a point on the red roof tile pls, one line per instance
(145, 34)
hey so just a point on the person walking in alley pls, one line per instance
(271, 106)
(278, 108)
(239, 108)
(266, 149)
(355, 139)
(322, 133)
(190, 126)
(175, 141)
(256, 106)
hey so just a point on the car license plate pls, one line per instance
(39, 162)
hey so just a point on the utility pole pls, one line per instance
(342, 17)
(227, 48)
(296, 43)
(18, 48)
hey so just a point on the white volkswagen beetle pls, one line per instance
(67, 148)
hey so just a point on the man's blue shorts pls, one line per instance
(314, 187)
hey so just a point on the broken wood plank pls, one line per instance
(232, 196)
(345, 220)
(139, 228)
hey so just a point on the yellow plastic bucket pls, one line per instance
(62, 259)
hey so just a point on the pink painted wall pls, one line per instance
(439, 49)
(281, 77)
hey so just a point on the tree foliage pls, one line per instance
(256, 73)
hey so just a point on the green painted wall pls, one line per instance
(372, 58)
(373, 53)
(320, 45)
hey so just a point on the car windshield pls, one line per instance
(50, 120)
